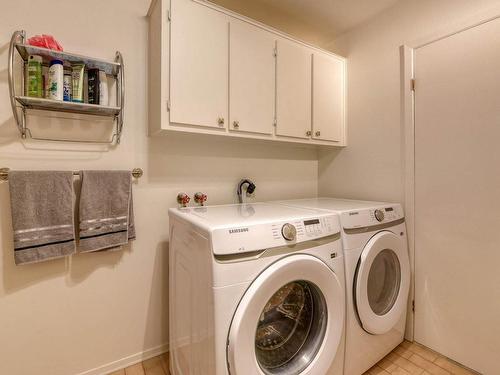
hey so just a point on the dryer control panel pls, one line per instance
(372, 217)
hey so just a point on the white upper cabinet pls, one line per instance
(251, 78)
(293, 89)
(328, 97)
(198, 65)
(212, 71)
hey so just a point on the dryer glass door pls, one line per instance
(282, 323)
(382, 282)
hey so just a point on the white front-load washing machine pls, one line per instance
(377, 269)
(256, 289)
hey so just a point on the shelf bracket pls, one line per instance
(20, 121)
(120, 87)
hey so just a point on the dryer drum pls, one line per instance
(384, 281)
(291, 328)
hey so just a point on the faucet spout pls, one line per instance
(250, 188)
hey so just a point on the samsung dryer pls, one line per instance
(377, 276)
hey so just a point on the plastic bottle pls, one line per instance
(34, 85)
(67, 87)
(103, 88)
(78, 81)
(93, 85)
(56, 80)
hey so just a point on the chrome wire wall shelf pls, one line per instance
(21, 103)
(72, 107)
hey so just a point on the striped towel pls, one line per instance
(42, 215)
(106, 212)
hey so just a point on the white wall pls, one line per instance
(68, 316)
(371, 166)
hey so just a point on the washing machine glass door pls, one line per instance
(290, 320)
(382, 282)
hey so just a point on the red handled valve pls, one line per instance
(200, 198)
(183, 199)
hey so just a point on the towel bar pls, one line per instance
(4, 173)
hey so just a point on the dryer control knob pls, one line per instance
(379, 215)
(289, 232)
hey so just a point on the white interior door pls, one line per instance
(252, 78)
(198, 65)
(457, 196)
(293, 93)
(328, 97)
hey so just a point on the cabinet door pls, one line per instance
(328, 97)
(293, 89)
(198, 65)
(251, 78)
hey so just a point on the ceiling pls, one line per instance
(332, 16)
(326, 19)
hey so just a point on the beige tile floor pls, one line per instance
(414, 359)
(154, 366)
(407, 359)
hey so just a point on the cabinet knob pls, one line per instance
(220, 121)
(308, 133)
(236, 124)
(318, 133)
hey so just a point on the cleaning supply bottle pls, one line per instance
(93, 85)
(103, 88)
(67, 86)
(34, 87)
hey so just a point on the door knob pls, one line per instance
(318, 133)
(236, 124)
(308, 133)
(220, 121)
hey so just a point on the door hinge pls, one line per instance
(168, 105)
(275, 52)
(413, 305)
(275, 122)
(412, 84)
(169, 15)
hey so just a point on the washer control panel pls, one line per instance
(303, 230)
(259, 236)
(236, 229)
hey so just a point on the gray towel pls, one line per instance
(42, 215)
(106, 212)
(131, 223)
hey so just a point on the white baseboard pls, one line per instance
(127, 361)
